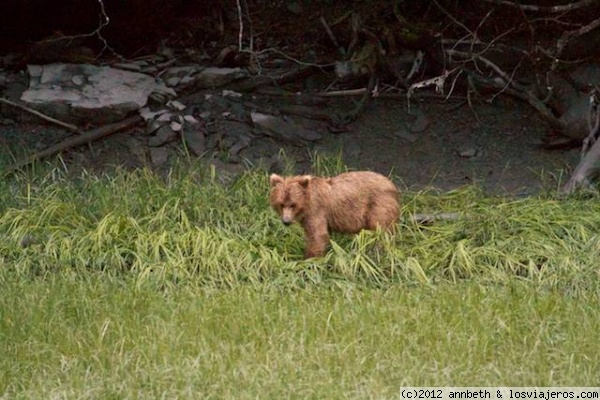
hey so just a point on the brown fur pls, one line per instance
(345, 203)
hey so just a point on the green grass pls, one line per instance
(132, 285)
(108, 339)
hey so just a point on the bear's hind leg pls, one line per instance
(383, 214)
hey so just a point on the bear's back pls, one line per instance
(357, 200)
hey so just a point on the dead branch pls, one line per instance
(437, 81)
(329, 32)
(507, 84)
(342, 93)
(551, 9)
(75, 141)
(588, 165)
(241, 25)
(523, 95)
(593, 121)
(97, 33)
(251, 84)
(240, 13)
(427, 219)
(568, 35)
(70, 127)
(584, 170)
(457, 22)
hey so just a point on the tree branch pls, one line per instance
(552, 9)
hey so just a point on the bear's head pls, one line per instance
(289, 196)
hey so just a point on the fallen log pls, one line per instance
(588, 166)
(251, 84)
(585, 170)
(85, 138)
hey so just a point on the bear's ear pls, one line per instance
(303, 180)
(275, 180)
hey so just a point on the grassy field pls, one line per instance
(133, 285)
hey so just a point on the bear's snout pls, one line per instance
(287, 215)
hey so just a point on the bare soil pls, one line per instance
(496, 146)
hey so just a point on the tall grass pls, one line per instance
(188, 226)
(135, 285)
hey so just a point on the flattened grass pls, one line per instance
(188, 226)
(131, 285)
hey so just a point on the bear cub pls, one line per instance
(345, 203)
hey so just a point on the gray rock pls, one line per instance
(88, 93)
(128, 66)
(159, 156)
(195, 139)
(178, 75)
(468, 152)
(242, 143)
(137, 149)
(213, 77)
(283, 128)
(163, 135)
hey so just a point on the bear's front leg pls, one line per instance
(317, 237)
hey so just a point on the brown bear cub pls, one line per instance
(345, 203)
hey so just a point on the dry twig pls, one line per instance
(70, 127)
(568, 35)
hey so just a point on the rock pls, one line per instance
(226, 172)
(173, 81)
(128, 66)
(176, 105)
(195, 139)
(176, 75)
(283, 128)
(468, 152)
(78, 80)
(230, 93)
(271, 164)
(149, 115)
(159, 156)
(88, 93)
(231, 128)
(175, 126)
(241, 144)
(163, 135)
(137, 149)
(212, 77)
(165, 117)
(190, 119)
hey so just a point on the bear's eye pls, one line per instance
(292, 206)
